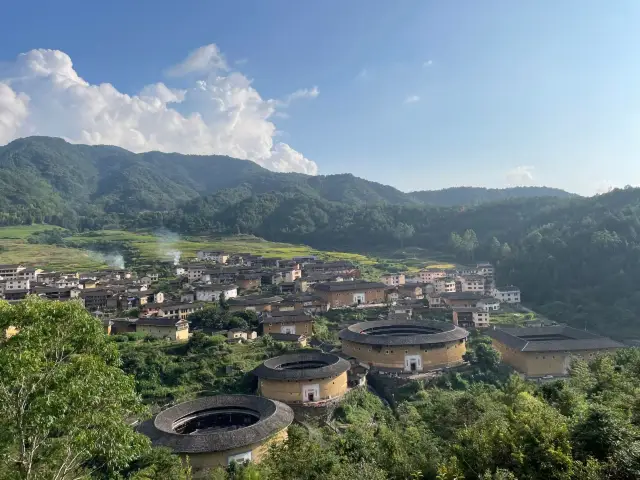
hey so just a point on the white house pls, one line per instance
(10, 271)
(16, 284)
(489, 304)
(393, 279)
(211, 293)
(508, 294)
(180, 270)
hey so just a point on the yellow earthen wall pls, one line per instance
(433, 358)
(201, 463)
(302, 328)
(539, 364)
(291, 391)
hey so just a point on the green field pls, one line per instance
(149, 247)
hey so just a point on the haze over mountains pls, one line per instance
(55, 175)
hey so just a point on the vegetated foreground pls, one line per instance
(62, 388)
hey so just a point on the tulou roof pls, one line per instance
(307, 365)
(404, 332)
(273, 417)
(254, 300)
(551, 339)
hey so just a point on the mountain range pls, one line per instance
(51, 175)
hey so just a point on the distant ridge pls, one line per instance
(448, 197)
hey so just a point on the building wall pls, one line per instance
(174, 333)
(345, 299)
(395, 358)
(304, 328)
(202, 462)
(249, 284)
(539, 364)
(291, 391)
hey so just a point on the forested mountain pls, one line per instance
(475, 195)
(576, 259)
(44, 178)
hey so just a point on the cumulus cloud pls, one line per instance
(13, 111)
(218, 113)
(207, 58)
(521, 175)
(412, 99)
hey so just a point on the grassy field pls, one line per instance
(15, 249)
(159, 246)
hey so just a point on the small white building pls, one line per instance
(212, 293)
(508, 294)
(180, 270)
(393, 279)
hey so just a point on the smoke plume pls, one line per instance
(115, 260)
(167, 243)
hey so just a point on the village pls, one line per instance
(401, 328)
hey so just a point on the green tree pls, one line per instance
(64, 402)
(402, 232)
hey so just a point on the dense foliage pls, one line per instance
(64, 401)
(586, 428)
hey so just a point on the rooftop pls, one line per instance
(286, 337)
(404, 332)
(254, 300)
(159, 321)
(306, 365)
(289, 316)
(508, 288)
(348, 286)
(550, 339)
(218, 423)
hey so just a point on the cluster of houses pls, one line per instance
(283, 292)
(469, 291)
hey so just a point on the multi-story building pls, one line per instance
(393, 279)
(508, 294)
(8, 272)
(212, 293)
(430, 275)
(15, 284)
(195, 271)
(471, 283)
(444, 285)
(471, 317)
(212, 256)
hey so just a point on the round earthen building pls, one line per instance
(303, 378)
(408, 346)
(215, 431)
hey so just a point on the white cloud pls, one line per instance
(205, 59)
(13, 111)
(427, 64)
(219, 113)
(412, 99)
(521, 175)
(300, 94)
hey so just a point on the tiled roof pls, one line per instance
(434, 332)
(273, 417)
(322, 365)
(158, 321)
(560, 338)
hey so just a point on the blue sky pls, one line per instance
(415, 94)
